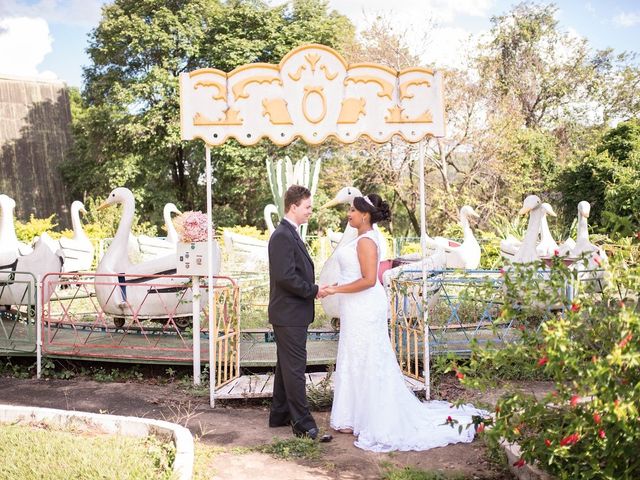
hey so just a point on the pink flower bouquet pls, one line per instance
(192, 227)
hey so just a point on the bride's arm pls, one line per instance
(368, 258)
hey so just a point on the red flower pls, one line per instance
(521, 328)
(616, 402)
(638, 235)
(459, 375)
(449, 419)
(502, 271)
(497, 409)
(519, 463)
(625, 340)
(598, 260)
(597, 418)
(542, 361)
(574, 400)
(556, 252)
(570, 440)
(575, 307)
(480, 428)
(601, 433)
(547, 442)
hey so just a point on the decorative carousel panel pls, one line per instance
(312, 94)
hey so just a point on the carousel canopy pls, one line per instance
(312, 94)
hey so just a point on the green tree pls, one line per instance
(608, 178)
(544, 72)
(127, 125)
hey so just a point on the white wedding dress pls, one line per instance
(370, 394)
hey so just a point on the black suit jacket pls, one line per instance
(291, 279)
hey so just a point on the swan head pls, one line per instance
(345, 195)
(170, 208)
(548, 209)
(78, 206)
(7, 203)
(117, 195)
(468, 211)
(530, 203)
(584, 208)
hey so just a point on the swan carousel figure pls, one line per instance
(443, 253)
(528, 251)
(78, 250)
(544, 244)
(586, 256)
(132, 298)
(19, 288)
(146, 247)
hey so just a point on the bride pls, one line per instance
(371, 400)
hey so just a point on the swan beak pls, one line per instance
(474, 214)
(83, 211)
(524, 211)
(103, 205)
(330, 203)
(551, 212)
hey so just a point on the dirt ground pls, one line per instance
(242, 424)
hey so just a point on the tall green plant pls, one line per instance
(283, 173)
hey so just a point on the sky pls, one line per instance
(47, 38)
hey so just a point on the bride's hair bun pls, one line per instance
(382, 211)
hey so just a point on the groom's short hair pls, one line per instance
(294, 195)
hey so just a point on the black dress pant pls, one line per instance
(289, 384)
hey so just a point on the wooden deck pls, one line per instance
(261, 386)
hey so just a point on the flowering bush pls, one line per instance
(191, 227)
(588, 427)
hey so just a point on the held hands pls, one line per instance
(326, 290)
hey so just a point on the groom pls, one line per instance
(291, 309)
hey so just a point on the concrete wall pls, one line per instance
(35, 136)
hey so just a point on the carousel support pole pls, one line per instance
(423, 247)
(195, 293)
(39, 301)
(213, 331)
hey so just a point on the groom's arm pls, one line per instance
(283, 267)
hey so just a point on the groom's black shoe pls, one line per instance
(312, 433)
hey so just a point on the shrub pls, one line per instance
(589, 426)
(27, 231)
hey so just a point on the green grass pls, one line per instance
(40, 451)
(292, 448)
(391, 472)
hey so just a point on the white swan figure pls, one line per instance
(152, 247)
(136, 299)
(268, 212)
(445, 253)
(547, 247)
(330, 272)
(583, 245)
(19, 288)
(460, 255)
(78, 250)
(9, 246)
(528, 249)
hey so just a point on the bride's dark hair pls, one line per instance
(379, 209)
